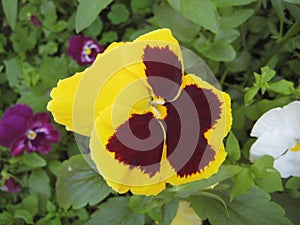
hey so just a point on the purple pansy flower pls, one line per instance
(11, 186)
(83, 49)
(20, 129)
(34, 20)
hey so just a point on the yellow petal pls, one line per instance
(119, 176)
(186, 215)
(111, 75)
(61, 105)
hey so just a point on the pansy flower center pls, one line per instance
(31, 135)
(157, 107)
(87, 51)
(296, 147)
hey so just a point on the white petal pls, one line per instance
(285, 119)
(271, 143)
(288, 164)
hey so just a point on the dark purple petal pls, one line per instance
(41, 133)
(44, 147)
(11, 186)
(14, 123)
(18, 146)
(53, 136)
(75, 47)
(84, 49)
(34, 20)
(40, 119)
(19, 110)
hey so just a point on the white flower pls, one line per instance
(278, 133)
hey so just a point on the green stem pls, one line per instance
(291, 32)
(224, 75)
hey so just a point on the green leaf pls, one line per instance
(118, 14)
(233, 148)
(169, 212)
(33, 160)
(240, 63)
(236, 18)
(6, 218)
(175, 4)
(202, 12)
(120, 215)
(53, 69)
(226, 3)
(49, 12)
(219, 51)
(267, 73)
(252, 208)
(227, 35)
(48, 49)
(293, 186)
(290, 205)
(95, 28)
(24, 215)
(37, 100)
(225, 172)
(10, 8)
(242, 182)
(156, 214)
(282, 87)
(183, 29)
(109, 37)
(30, 203)
(13, 73)
(50, 207)
(87, 12)
(266, 176)
(141, 6)
(21, 44)
(143, 204)
(78, 184)
(39, 183)
(293, 1)
(250, 94)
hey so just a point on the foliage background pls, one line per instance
(252, 46)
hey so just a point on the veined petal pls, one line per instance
(272, 143)
(195, 136)
(288, 164)
(128, 162)
(285, 119)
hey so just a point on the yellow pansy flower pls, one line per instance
(149, 123)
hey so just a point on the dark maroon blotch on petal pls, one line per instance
(163, 70)
(145, 151)
(185, 155)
